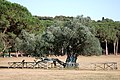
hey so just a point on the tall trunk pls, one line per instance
(9, 54)
(106, 51)
(62, 51)
(16, 54)
(116, 47)
(5, 47)
(5, 30)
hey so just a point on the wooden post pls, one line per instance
(23, 62)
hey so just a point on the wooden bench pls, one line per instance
(105, 65)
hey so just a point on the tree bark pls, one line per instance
(5, 30)
(16, 54)
(114, 44)
(106, 51)
(116, 47)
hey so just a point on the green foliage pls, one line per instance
(13, 19)
(42, 47)
(79, 37)
(105, 29)
(91, 46)
(38, 36)
(25, 43)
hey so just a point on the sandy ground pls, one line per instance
(56, 74)
(40, 74)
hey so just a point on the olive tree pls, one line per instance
(25, 43)
(73, 39)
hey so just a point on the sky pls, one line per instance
(96, 9)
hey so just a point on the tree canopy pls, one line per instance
(59, 35)
(13, 19)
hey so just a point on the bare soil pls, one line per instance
(65, 74)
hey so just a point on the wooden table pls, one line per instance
(39, 64)
(20, 64)
(105, 65)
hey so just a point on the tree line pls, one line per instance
(59, 35)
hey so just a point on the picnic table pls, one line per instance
(20, 64)
(38, 64)
(105, 65)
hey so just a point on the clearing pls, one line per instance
(55, 74)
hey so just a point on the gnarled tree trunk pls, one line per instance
(71, 58)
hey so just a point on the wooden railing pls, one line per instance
(104, 65)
